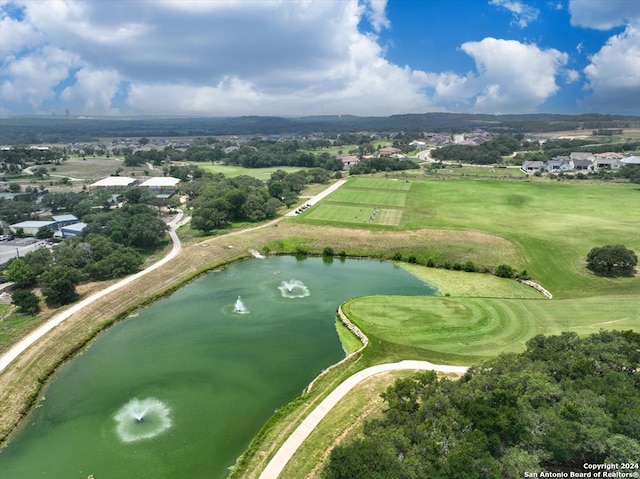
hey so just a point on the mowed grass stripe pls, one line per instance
(475, 327)
(368, 197)
(355, 215)
(378, 184)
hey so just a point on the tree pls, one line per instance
(20, 272)
(24, 299)
(59, 284)
(612, 260)
(44, 232)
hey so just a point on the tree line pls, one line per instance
(565, 401)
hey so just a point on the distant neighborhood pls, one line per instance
(580, 162)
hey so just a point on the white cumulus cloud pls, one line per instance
(613, 74)
(523, 14)
(603, 15)
(510, 77)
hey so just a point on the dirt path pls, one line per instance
(293, 442)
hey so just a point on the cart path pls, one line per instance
(293, 442)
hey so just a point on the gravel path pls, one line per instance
(293, 442)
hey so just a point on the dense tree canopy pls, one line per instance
(565, 401)
(135, 225)
(612, 260)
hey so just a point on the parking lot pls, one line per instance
(16, 247)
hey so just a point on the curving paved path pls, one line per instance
(36, 334)
(293, 442)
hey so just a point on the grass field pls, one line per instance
(468, 330)
(552, 225)
(261, 173)
(371, 201)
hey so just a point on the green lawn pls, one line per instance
(261, 173)
(467, 330)
(378, 183)
(553, 225)
(370, 197)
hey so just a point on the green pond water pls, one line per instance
(180, 389)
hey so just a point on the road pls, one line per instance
(293, 442)
(312, 201)
(28, 340)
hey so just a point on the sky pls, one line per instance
(318, 57)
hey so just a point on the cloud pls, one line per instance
(522, 14)
(603, 15)
(376, 13)
(510, 77)
(222, 57)
(93, 91)
(32, 78)
(613, 74)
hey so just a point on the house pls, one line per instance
(418, 144)
(558, 164)
(349, 161)
(582, 155)
(609, 155)
(607, 164)
(30, 228)
(530, 167)
(630, 160)
(114, 183)
(389, 151)
(581, 165)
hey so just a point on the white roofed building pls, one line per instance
(114, 183)
(162, 183)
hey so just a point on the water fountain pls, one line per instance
(142, 419)
(294, 288)
(239, 307)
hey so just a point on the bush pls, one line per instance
(469, 267)
(412, 259)
(397, 256)
(504, 271)
(327, 251)
(27, 301)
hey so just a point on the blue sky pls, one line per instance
(308, 57)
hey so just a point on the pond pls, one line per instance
(180, 389)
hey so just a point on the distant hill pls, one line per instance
(33, 130)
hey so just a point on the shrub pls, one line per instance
(397, 256)
(412, 259)
(327, 251)
(469, 267)
(504, 271)
(27, 301)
